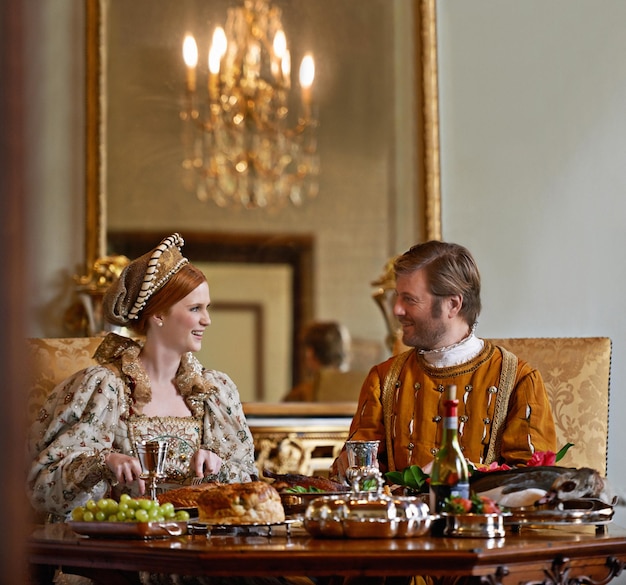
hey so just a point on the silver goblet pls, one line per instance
(152, 455)
(362, 463)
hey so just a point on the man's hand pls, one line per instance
(339, 467)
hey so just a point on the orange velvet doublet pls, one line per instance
(417, 419)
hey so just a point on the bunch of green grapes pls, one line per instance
(128, 510)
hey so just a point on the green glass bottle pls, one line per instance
(449, 476)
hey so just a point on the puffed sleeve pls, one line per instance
(367, 423)
(75, 429)
(226, 430)
(529, 422)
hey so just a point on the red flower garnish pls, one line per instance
(541, 458)
(493, 466)
(474, 505)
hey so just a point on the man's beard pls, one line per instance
(428, 337)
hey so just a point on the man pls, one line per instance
(504, 412)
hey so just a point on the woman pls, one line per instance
(83, 445)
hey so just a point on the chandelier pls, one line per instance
(248, 139)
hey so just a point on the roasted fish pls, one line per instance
(526, 486)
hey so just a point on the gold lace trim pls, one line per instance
(505, 389)
(122, 353)
(387, 399)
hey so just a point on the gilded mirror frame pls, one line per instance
(427, 115)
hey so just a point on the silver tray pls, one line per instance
(129, 529)
(581, 511)
(262, 528)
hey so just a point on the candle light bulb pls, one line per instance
(307, 75)
(280, 44)
(214, 60)
(216, 52)
(190, 56)
(190, 51)
(307, 71)
(219, 42)
(285, 65)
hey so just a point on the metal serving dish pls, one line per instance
(295, 503)
(576, 511)
(366, 515)
(474, 525)
(414, 516)
(324, 516)
(129, 529)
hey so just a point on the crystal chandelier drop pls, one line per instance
(249, 140)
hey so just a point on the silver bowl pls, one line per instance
(474, 525)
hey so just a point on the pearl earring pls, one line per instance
(160, 323)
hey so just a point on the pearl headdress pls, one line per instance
(143, 277)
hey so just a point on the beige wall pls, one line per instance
(55, 162)
(533, 174)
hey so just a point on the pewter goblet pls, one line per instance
(152, 455)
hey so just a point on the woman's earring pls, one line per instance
(160, 323)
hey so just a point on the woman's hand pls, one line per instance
(126, 469)
(205, 462)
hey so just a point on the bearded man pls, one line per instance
(504, 413)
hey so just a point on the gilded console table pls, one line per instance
(298, 437)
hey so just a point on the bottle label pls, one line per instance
(441, 492)
(460, 490)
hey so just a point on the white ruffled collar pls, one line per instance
(453, 355)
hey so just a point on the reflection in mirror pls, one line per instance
(375, 96)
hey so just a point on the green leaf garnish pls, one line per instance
(298, 489)
(563, 450)
(412, 477)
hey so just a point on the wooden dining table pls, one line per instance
(561, 555)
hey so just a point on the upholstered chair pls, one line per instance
(576, 372)
(54, 359)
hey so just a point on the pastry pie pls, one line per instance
(186, 496)
(255, 502)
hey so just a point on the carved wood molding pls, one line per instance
(559, 573)
(496, 578)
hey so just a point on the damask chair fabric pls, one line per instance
(576, 372)
(51, 361)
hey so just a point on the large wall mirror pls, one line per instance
(270, 270)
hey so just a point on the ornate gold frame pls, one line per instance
(427, 114)
(431, 171)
